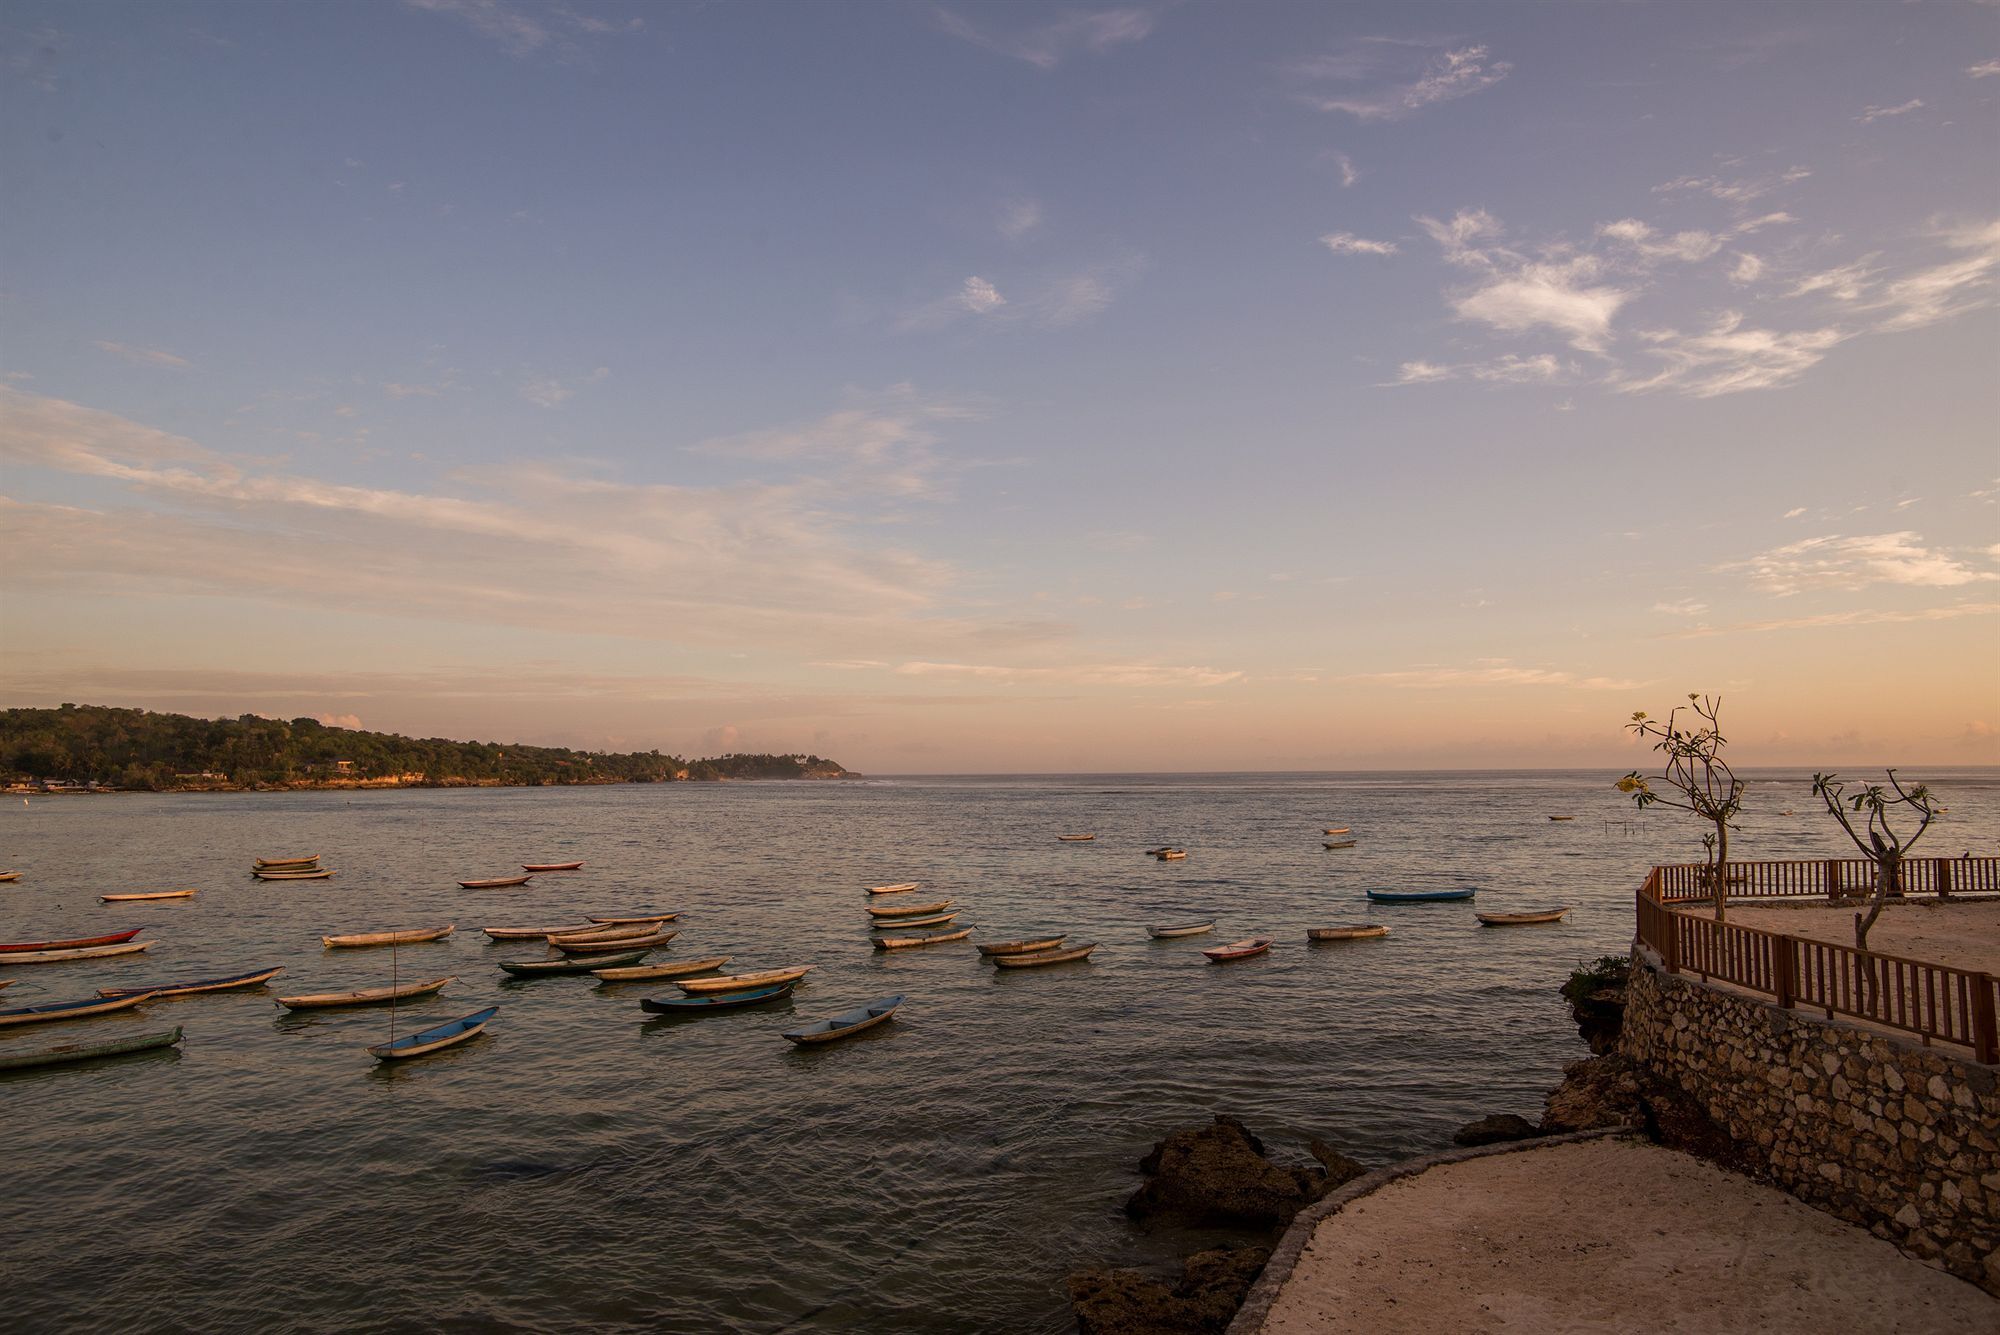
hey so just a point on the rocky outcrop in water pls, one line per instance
(1495, 1129)
(1596, 996)
(1202, 1302)
(1219, 1174)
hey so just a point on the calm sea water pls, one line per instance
(584, 1165)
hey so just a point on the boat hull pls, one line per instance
(372, 996)
(928, 939)
(1420, 896)
(622, 922)
(64, 1053)
(911, 910)
(1345, 933)
(1171, 931)
(738, 982)
(535, 867)
(1027, 946)
(703, 1005)
(580, 964)
(616, 946)
(434, 1039)
(79, 953)
(1239, 950)
(144, 899)
(73, 943)
(53, 1012)
(846, 1024)
(684, 969)
(1520, 919)
(256, 978)
(415, 936)
(496, 882)
(1043, 958)
(900, 888)
(899, 924)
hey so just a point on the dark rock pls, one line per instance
(1203, 1302)
(1218, 1174)
(1340, 1170)
(1597, 1091)
(1496, 1129)
(1596, 996)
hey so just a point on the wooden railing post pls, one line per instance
(1784, 971)
(1943, 877)
(1832, 878)
(1985, 1030)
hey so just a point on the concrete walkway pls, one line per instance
(1605, 1235)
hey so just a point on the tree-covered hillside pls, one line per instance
(134, 748)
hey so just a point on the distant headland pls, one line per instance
(98, 748)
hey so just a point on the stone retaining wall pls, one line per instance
(1902, 1139)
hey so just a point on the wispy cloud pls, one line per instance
(1984, 69)
(1045, 300)
(1088, 674)
(1835, 562)
(1019, 218)
(547, 391)
(1727, 358)
(1740, 191)
(1388, 78)
(1864, 617)
(143, 356)
(522, 31)
(1681, 607)
(1347, 243)
(1492, 672)
(1050, 44)
(883, 444)
(1349, 173)
(1873, 114)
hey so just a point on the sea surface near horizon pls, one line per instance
(584, 1165)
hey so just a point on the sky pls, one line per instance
(976, 387)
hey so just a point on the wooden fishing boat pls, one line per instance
(286, 864)
(140, 899)
(1026, 946)
(10, 876)
(847, 1023)
(403, 938)
(682, 969)
(430, 1040)
(1342, 829)
(6, 982)
(1346, 933)
(293, 875)
(532, 933)
(1074, 838)
(75, 953)
(900, 888)
(927, 939)
(497, 882)
(579, 964)
(621, 922)
(898, 924)
(255, 978)
(702, 1005)
(1573, 818)
(368, 996)
(70, 1010)
(1168, 931)
(550, 866)
(736, 982)
(1420, 896)
(598, 932)
(1238, 950)
(1521, 919)
(910, 910)
(615, 946)
(110, 939)
(1171, 854)
(11, 1060)
(1037, 959)
(1338, 843)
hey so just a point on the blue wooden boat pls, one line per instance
(255, 978)
(847, 1023)
(717, 1001)
(70, 1010)
(80, 1052)
(430, 1040)
(1420, 896)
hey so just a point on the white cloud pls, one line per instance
(520, 32)
(1456, 237)
(143, 356)
(1019, 218)
(979, 296)
(1346, 243)
(1048, 45)
(1088, 674)
(1943, 291)
(1421, 373)
(1511, 369)
(1647, 244)
(1349, 173)
(1557, 296)
(1727, 359)
(1865, 617)
(1747, 269)
(1872, 114)
(1983, 69)
(1492, 672)
(1738, 192)
(1847, 282)
(1851, 563)
(1795, 512)
(1683, 607)
(547, 391)
(1399, 78)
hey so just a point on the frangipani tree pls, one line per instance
(1884, 845)
(1699, 778)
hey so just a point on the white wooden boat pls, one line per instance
(684, 969)
(927, 939)
(1042, 957)
(286, 864)
(601, 933)
(615, 946)
(405, 938)
(532, 933)
(1025, 946)
(1168, 931)
(368, 996)
(140, 899)
(1522, 919)
(1357, 933)
(738, 982)
(293, 875)
(898, 924)
(900, 888)
(74, 953)
(621, 922)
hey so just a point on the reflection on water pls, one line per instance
(585, 1164)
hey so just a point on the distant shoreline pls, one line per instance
(394, 785)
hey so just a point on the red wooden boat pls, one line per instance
(550, 866)
(76, 943)
(1238, 950)
(497, 883)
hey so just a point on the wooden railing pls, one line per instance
(1936, 1002)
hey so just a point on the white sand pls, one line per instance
(1607, 1235)
(1962, 935)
